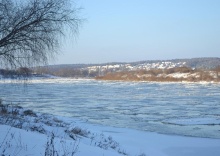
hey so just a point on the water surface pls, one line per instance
(190, 109)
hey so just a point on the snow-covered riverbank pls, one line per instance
(24, 132)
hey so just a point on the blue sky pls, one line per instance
(135, 30)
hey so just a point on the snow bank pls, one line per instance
(39, 133)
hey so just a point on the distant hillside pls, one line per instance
(207, 63)
(93, 70)
(198, 63)
(201, 63)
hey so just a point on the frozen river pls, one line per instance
(190, 109)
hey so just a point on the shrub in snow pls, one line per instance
(29, 113)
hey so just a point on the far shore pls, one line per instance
(181, 74)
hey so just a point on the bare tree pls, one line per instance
(30, 30)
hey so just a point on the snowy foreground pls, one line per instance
(24, 132)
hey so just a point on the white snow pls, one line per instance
(178, 75)
(82, 138)
(20, 142)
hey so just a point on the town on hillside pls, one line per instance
(152, 68)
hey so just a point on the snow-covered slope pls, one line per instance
(24, 132)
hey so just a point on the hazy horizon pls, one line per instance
(138, 61)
